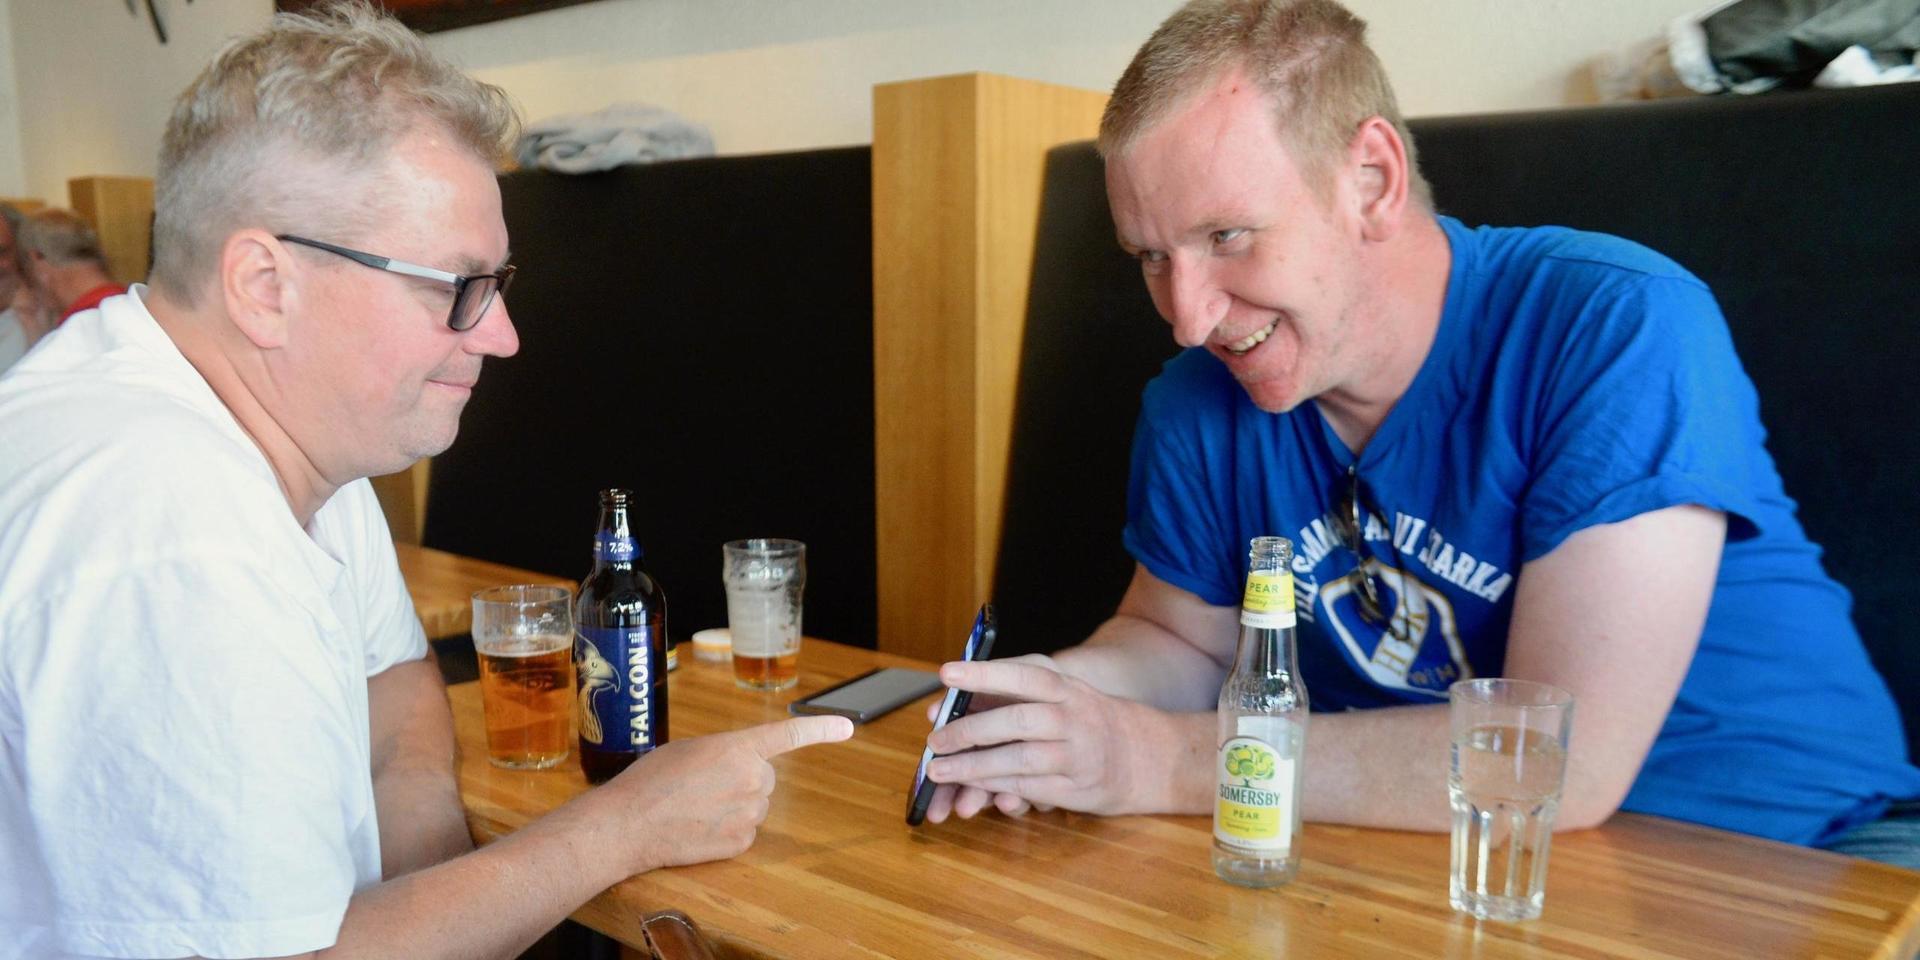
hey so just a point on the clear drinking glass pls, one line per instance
(1509, 762)
(524, 638)
(765, 579)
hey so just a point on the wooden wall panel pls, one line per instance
(958, 165)
(121, 210)
(403, 498)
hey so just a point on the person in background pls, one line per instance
(13, 335)
(223, 735)
(1522, 452)
(65, 265)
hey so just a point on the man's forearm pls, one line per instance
(1373, 768)
(689, 801)
(1138, 660)
(491, 902)
(1378, 768)
(1383, 768)
(421, 819)
(415, 793)
(1191, 748)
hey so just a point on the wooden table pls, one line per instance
(442, 585)
(837, 873)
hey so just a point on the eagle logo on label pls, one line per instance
(597, 676)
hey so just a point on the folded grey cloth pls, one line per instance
(1752, 46)
(620, 134)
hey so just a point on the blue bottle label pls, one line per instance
(615, 549)
(616, 670)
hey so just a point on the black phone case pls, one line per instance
(989, 628)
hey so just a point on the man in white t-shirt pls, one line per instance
(219, 736)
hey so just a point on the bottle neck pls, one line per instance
(1267, 611)
(1266, 651)
(613, 542)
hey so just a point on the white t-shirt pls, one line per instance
(183, 669)
(13, 339)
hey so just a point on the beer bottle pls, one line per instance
(1263, 731)
(620, 651)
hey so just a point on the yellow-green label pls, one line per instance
(1244, 823)
(1255, 807)
(1269, 599)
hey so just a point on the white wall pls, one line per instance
(13, 171)
(92, 86)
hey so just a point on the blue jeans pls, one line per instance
(1894, 838)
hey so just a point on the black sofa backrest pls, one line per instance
(1801, 211)
(699, 331)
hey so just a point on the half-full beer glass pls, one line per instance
(1509, 763)
(524, 638)
(765, 579)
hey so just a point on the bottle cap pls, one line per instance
(713, 646)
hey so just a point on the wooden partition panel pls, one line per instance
(23, 204)
(958, 164)
(121, 211)
(403, 498)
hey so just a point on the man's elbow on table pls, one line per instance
(1585, 813)
(1595, 788)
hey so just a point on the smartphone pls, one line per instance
(979, 647)
(869, 695)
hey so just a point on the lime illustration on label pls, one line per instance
(1269, 600)
(1250, 761)
(1255, 809)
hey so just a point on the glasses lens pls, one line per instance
(1367, 599)
(472, 302)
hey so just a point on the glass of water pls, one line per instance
(1509, 764)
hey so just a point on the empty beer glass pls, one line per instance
(524, 638)
(765, 579)
(1509, 763)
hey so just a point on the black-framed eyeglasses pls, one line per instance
(1349, 520)
(472, 295)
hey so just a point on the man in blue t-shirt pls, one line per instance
(1501, 452)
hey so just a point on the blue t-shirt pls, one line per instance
(1576, 379)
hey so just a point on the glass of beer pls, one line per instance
(765, 579)
(1508, 766)
(524, 638)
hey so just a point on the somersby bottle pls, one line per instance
(1263, 731)
(620, 651)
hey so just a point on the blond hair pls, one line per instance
(273, 129)
(1310, 58)
(62, 237)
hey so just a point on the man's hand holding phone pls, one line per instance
(952, 798)
(1042, 737)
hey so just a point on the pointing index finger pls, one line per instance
(773, 739)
